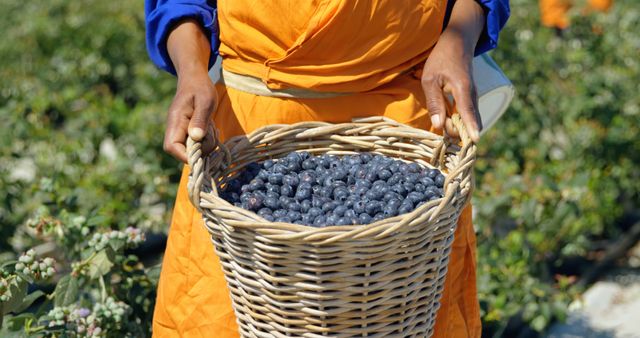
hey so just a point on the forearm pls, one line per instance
(189, 48)
(465, 26)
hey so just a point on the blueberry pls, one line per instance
(340, 210)
(293, 166)
(284, 201)
(279, 213)
(409, 186)
(361, 173)
(326, 191)
(283, 219)
(361, 191)
(412, 178)
(291, 180)
(303, 193)
(384, 174)
(371, 176)
(394, 203)
(245, 196)
(332, 220)
(305, 206)
(340, 174)
(389, 195)
(366, 157)
(308, 164)
(304, 155)
(360, 206)
(254, 202)
(317, 201)
(273, 188)
(395, 166)
(308, 177)
(307, 219)
(433, 173)
(405, 207)
(268, 164)
(364, 218)
(343, 221)
(431, 193)
(234, 196)
(294, 215)
(349, 213)
(264, 211)
(414, 167)
(419, 187)
(372, 194)
(294, 206)
(276, 178)
(315, 212)
(390, 211)
(378, 217)
(341, 194)
(394, 179)
(278, 168)
(399, 189)
(439, 180)
(263, 175)
(294, 157)
(404, 169)
(373, 207)
(416, 197)
(426, 181)
(363, 183)
(269, 218)
(329, 206)
(320, 221)
(286, 190)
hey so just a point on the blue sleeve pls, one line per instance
(496, 13)
(162, 15)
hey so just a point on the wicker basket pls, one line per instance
(384, 279)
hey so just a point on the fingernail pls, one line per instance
(435, 120)
(197, 134)
(474, 135)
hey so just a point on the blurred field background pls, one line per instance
(82, 113)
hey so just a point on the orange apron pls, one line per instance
(360, 47)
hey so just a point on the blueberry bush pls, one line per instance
(83, 179)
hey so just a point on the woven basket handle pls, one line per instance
(467, 153)
(197, 163)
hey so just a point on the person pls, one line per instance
(554, 13)
(313, 61)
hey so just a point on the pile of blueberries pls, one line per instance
(333, 190)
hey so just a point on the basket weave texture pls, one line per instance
(384, 279)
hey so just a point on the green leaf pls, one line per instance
(66, 291)
(18, 290)
(99, 265)
(29, 299)
(18, 322)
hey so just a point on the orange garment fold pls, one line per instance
(286, 44)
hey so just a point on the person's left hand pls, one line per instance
(448, 72)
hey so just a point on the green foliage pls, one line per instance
(82, 170)
(561, 167)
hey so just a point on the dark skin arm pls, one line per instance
(447, 71)
(196, 97)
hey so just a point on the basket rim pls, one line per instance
(323, 235)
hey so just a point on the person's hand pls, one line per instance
(447, 73)
(190, 114)
(196, 97)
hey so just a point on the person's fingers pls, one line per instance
(208, 144)
(464, 95)
(176, 131)
(435, 101)
(450, 128)
(204, 104)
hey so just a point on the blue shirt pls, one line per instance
(162, 15)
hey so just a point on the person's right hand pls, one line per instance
(196, 97)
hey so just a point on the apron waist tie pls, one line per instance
(254, 85)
